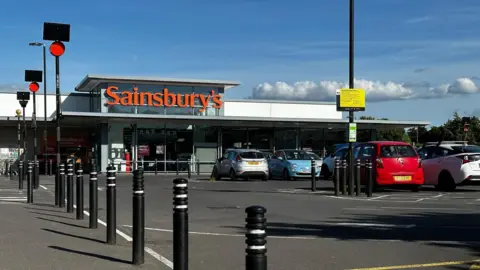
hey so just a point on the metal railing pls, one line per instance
(157, 166)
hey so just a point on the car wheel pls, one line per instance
(265, 177)
(233, 177)
(286, 175)
(215, 174)
(325, 172)
(446, 182)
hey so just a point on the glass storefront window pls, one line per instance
(285, 139)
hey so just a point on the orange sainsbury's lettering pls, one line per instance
(164, 98)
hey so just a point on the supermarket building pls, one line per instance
(114, 117)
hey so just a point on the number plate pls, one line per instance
(402, 178)
(253, 163)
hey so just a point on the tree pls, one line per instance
(395, 134)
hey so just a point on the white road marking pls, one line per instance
(44, 187)
(13, 198)
(101, 189)
(363, 209)
(379, 197)
(381, 225)
(423, 208)
(150, 251)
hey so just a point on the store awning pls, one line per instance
(91, 118)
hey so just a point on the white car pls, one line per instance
(241, 163)
(449, 164)
(328, 166)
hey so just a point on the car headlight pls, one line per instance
(293, 166)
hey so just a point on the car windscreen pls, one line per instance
(466, 149)
(251, 155)
(314, 156)
(396, 151)
(297, 155)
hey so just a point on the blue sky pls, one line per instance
(420, 47)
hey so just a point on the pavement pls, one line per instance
(394, 229)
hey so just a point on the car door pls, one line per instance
(431, 164)
(224, 163)
(366, 152)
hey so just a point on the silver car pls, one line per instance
(241, 163)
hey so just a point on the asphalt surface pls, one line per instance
(394, 229)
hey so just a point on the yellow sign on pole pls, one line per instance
(351, 100)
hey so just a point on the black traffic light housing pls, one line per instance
(466, 123)
(33, 76)
(23, 98)
(56, 32)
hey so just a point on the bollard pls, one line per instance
(79, 192)
(61, 186)
(156, 170)
(313, 172)
(189, 170)
(369, 177)
(358, 175)
(180, 224)
(93, 198)
(29, 183)
(344, 176)
(111, 206)
(177, 165)
(198, 166)
(256, 238)
(70, 187)
(20, 175)
(36, 177)
(138, 229)
(336, 178)
(50, 169)
(10, 165)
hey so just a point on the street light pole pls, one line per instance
(351, 82)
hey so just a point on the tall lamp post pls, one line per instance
(34, 76)
(39, 44)
(58, 33)
(23, 98)
(18, 113)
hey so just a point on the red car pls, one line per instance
(394, 163)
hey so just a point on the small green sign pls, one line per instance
(352, 132)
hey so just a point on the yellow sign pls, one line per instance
(352, 99)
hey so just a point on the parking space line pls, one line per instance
(421, 265)
(379, 197)
(381, 225)
(422, 208)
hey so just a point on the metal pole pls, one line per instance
(351, 119)
(45, 107)
(336, 177)
(20, 165)
(61, 185)
(58, 113)
(24, 141)
(138, 235)
(358, 174)
(79, 191)
(29, 184)
(256, 241)
(313, 174)
(111, 206)
(180, 224)
(34, 128)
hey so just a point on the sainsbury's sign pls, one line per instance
(162, 99)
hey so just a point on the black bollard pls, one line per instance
(50, 169)
(29, 183)
(177, 166)
(358, 175)
(180, 224)
(189, 170)
(93, 198)
(369, 177)
(198, 167)
(10, 172)
(61, 186)
(336, 177)
(111, 206)
(344, 176)
(138, 234)
(156, 170)
(70, 187)
(313, 172)
(20, 175)
(79, 191)
(37, 174)
(256, 258)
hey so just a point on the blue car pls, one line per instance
(291, 164)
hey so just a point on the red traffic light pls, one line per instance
(34, 87)
(57, 48)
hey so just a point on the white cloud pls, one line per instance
(375, 90)
(420, 19)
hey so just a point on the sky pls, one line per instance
(417, 60)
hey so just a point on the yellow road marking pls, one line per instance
(422, 265)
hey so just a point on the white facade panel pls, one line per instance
(281, 110)
(9, 103)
